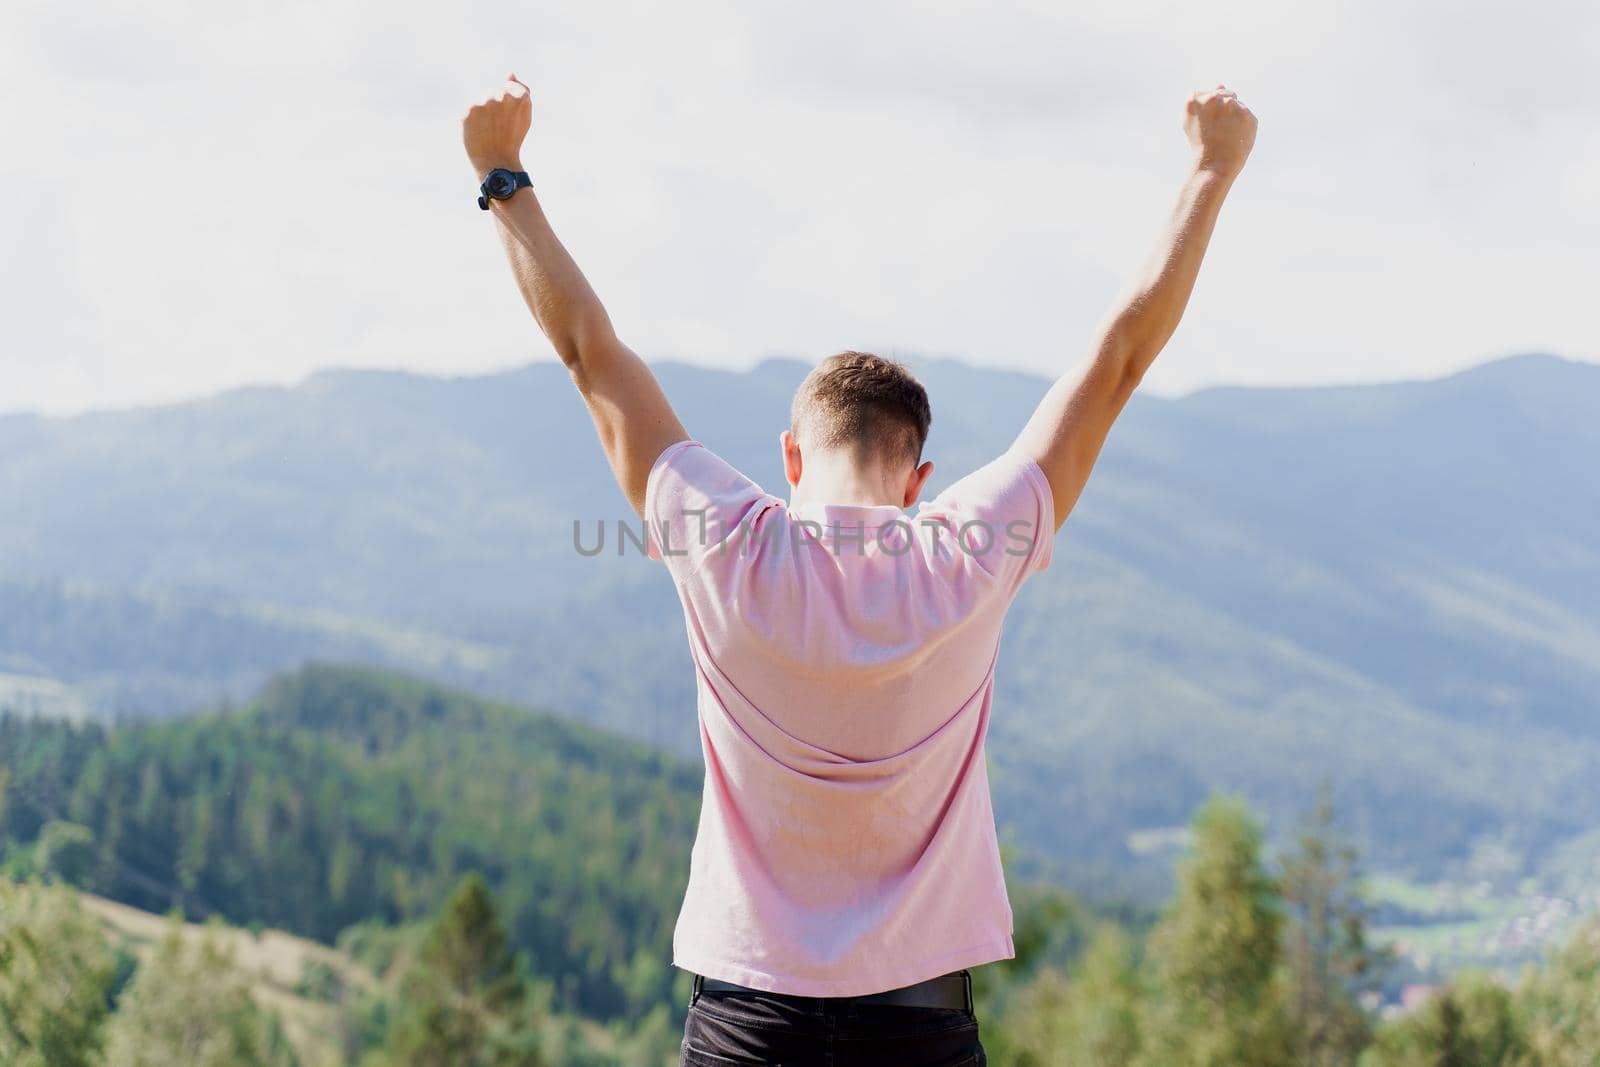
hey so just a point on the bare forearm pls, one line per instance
(566, 308)
(1145, 317)
(631, 414)
(1070, 425)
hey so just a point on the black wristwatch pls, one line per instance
(500, 184)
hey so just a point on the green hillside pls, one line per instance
(343, 796)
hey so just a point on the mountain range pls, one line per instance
(1392, 588)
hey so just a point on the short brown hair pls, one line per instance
(864, 402)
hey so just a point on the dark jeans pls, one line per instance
(742, 1029)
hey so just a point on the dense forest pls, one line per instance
(345, 795)
(501, 886)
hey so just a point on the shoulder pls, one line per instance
(695, 500)
(1002, 513)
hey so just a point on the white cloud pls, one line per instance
(198, 196)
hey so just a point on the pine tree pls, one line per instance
(1214, 960)
(1470, 1023)
(1032, 1031)
(1325, 947)
(1092, 1018)
(189, 1004)
(55, 972)
(465, 1002)
(1559, 1005)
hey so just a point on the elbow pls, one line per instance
(1128, 379)
(575, 342)
(568, 350)
(1124, 359)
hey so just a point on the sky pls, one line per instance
(195, 196)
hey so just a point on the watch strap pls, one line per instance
(519, 178)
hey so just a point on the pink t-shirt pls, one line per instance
(845, 657)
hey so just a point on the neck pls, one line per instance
(835, 478)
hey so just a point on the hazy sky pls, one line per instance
(197, 195)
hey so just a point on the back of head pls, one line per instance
(864, 404)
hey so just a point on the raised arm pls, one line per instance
(1071, 423)
(631, 413)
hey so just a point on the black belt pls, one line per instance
(946, 991)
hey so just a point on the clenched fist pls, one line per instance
(494, 127)
(1220, 128)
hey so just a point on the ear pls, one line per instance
(791, 457)
(919, 478)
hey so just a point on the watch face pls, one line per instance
(501, 184)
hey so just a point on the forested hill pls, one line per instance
(1395, 587)
(344, 796)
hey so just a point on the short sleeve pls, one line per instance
(1002, 516)
(694, 501)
